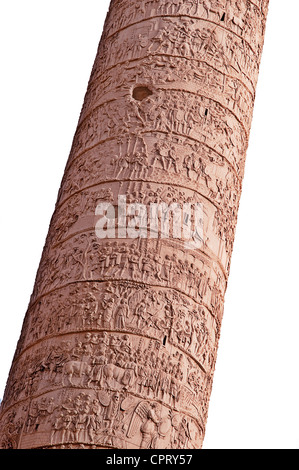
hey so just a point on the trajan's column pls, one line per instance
(119, 343)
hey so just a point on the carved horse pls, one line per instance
(118, 377)
(78, 369)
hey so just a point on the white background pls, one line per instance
(47, 52)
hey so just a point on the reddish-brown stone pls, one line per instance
(119, 342)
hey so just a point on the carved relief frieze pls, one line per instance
(245, 19)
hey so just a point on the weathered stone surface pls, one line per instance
(119, 342)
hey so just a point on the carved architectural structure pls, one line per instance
(119, 342)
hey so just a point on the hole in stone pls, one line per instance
(140, 93)
(206, 112)
(223, 17)
(164, 340)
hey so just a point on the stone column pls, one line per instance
(119, 342)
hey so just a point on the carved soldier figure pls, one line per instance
(149, 429)
(108, 311)
(121, 314)
(112, 411)
(94, 422)
(183, 435)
